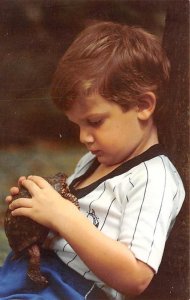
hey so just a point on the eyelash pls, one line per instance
(95, 123)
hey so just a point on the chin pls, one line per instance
(102, 160)
(105, 161)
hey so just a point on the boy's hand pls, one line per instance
(14, 190)
(50, 240)
(45, 204)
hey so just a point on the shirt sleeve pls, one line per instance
(149, 210)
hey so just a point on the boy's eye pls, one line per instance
(95, 123)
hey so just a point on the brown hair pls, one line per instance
(117, 61)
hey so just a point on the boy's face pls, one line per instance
(110, 133)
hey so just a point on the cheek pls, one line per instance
(114, 135)
(113, 140)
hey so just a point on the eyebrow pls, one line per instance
(91, 116)
(97, 115)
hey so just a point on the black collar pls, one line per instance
(152, 152)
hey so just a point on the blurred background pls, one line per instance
(35, 138)
(34, 36)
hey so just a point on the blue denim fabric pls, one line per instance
(64, 283)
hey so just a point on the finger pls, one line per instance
(8, 199)
(41, 182)
(20, 180)
(21, 202)
(14, 190)
(21, 211)
(49, 241)
(31, 186)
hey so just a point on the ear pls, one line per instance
(146, 106)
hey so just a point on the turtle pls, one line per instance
(26, 236)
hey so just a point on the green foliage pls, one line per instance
(40, 159)
(4, 246)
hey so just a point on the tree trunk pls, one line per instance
(172, 281)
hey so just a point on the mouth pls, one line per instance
(96, 152)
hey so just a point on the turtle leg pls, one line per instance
(34, 266)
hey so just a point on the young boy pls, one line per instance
(110, 83)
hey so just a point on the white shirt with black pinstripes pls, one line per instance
(136, 204)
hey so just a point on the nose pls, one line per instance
(85, 136)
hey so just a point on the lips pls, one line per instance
(95, 152)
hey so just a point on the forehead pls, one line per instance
(94, 104)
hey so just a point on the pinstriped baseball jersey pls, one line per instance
(136, 204)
